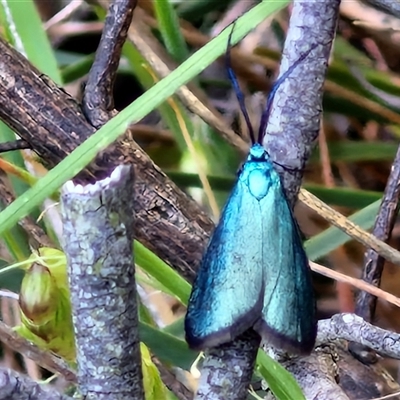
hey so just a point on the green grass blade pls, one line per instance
(170, 31)
(25, 31)
(330, 239)
(167, 347)
(77, 69)
(344, 197)
(353, 151)
(162, 272)
(281, 382)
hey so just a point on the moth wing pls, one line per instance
(227, 294)
(288, 315)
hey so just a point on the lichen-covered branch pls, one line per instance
(317, 374)
(296, 109)
(14, 386)
(98, 239)
(227, 369)
(330, 372)
(353, 328)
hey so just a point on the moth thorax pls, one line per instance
(258, 183)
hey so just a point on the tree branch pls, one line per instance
(43, 358)
(296, 110)
(98, 235)
(98, 99)
(353, 328)
(14, 386)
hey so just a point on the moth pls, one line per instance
(254, 272)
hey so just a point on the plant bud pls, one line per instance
(39, 295)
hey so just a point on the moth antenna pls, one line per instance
(270, 99)
(235, 84)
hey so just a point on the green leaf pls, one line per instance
(344, 197)
(25, 31)
(330, 239)
(162, 272)
(77, 69)
(176, 328)
(16, 239)
(353, 151)
(281, 382)
(167, 347)
(154, 388)
(170, 30)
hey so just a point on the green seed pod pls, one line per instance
(45, 306)
(38, 296)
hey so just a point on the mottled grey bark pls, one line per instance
(353, 328)
(296, 110)
(331, 372)
(98, 243)
(14, 386)
(227, 369)
(391, 7)
(317, 375)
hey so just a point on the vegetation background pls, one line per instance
(348, 170)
